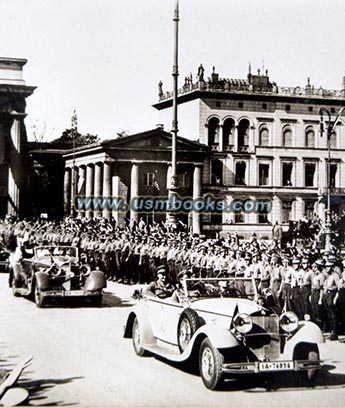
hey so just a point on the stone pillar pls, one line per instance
(300, 173)
(67, 191)
(14, 173)
(321, 207)
(276, 213)
(89, 187)
(97, 190)
(228, 216)
(107, 180)
(134, 216)
(252, 216)
(299, 208)
(80, 189)
(196, 224)
(236, 139)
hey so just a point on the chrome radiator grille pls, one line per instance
(264, 339)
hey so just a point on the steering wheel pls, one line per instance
(232, 292)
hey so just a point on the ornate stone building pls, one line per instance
(265, 143)
(14, 166)
(133, 166)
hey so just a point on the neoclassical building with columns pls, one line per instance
(265, 143)
(133, 166)
(14, 163)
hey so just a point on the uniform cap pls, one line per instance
(161, 269)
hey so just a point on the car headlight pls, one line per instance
(288, 321)
(243, 323)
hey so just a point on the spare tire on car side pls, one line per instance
(188, 324)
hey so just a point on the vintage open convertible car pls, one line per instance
(55, 272)
(223, 325)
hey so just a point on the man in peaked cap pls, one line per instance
(161, 287)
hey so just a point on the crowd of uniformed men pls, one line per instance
(300, 277)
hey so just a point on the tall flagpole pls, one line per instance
(74, 129)
(171, 217)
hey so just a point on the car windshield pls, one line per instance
(52, 251)
(220, 287)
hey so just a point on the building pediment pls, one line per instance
(152, 139)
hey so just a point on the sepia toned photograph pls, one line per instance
(172, 203)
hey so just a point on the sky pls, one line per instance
(104, 58)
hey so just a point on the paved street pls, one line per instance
(80, 358)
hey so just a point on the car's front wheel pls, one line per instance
(136, 339)
(310, 352)
(210, 365)
(38, 297)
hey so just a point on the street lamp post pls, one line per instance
(330, 128)
(171, 217)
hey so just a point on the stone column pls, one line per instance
(14, 171)
(107, 180)
(299, 208)
(98, 184)
(134, 216)
(276, 213)
(228, 216)
(67, 191)
(236, 139)
(196, 224)
(80, 188)
(89, 187)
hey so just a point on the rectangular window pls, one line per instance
(309, 175)
(264, 170)
(240, 177)
(149, 179)
(239, 218)
(287, 174)
(286, 211)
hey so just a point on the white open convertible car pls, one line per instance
(224, 326)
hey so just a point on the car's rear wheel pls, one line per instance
(136, 339)
(188, 325)
(210, 365)
(38, 297)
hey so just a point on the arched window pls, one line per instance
(309, 137)
(243, 134)
(264, 136)
(228, 133)
(287, 136)
(213, 133)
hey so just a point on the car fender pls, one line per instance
(42, 280)
(308, 332)
(146, 333)
(95, 281)
(220, 337)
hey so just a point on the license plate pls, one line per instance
(74, 293)
(276, 365)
